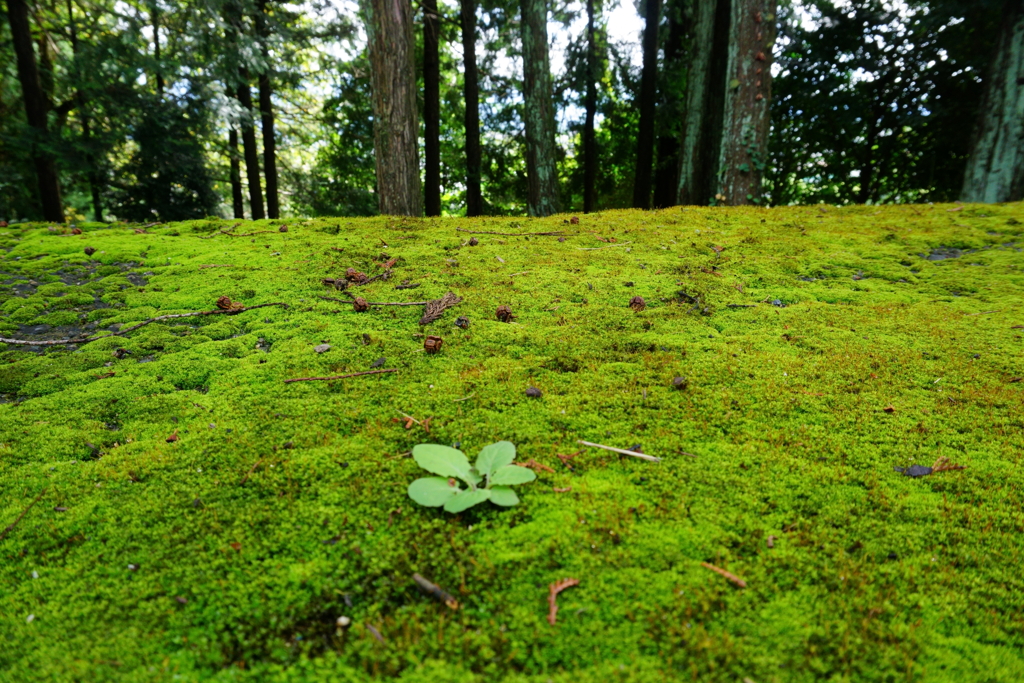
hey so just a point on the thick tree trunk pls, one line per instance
(237, 202)
(666, 177)
(744, 145)
(538, 111)
(648, 94)
(471, 87)
(705, 97)
(36, 108)
(267, 120)
(589, 136)
(431, 109)
(395, 129)
(995, 169)
(155, 17)
(252, 157)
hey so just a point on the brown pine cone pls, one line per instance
(504, 314)
(637, 303)
(432, 344)
(76, 231)
(359, 303)
(353, 275)
(226, 304)
(89, 251)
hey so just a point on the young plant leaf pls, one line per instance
(445, 461)
(432, 492)
(494, 456)
(504, 496)
(510, 475)
(466, 499)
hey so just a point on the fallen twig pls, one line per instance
(536, 466)
(729, 575)
(642, 456)
(512, 234)
(211, 236)
(610, 246)
(436, 308)
(967, 315)
(24, 512)
(217, 266)
(432, 589)
(121, 333)
(553, 591)
(464, 398)
(249, 473)
(328, 379)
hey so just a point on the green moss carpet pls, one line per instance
(197, 518)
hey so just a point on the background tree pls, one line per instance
(538, 111)
(648, 98)
(471, 90)
(431, 108)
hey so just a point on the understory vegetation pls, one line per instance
(178, 512)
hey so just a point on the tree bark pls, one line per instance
(395, 130)
(252, 157)
(666, 177)
(471, 87)
(267, 120)
(995, 168)
(237, 202)
(744, 144)
(90, 158)
(589, 137)
(36, 108)
(155, 19)
(538, 111)
(648, 93)
(431, 109)
(705, 101)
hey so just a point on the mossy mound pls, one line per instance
(822, 348)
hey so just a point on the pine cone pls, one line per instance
(353, 275)
(226, 304)
(359, 303)
(432, 344)
(504, 314)
(637, 303)
(89, 251)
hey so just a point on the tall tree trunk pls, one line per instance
(267, 119)
(237, 202)
(155, 17)
(395, 129)
(648, 93)
(705, 101)
(995, 169)
(867, 166)
(36, 107)
(666, 177)
(471, 87)
(589, 137)
(252, 158)
(744, 145)
(431, 109)
(90, 158)
(538, 111)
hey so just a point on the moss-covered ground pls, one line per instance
(822, 349)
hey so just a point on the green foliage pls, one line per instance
(493, 466)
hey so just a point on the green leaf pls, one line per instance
(494, 456)
(445, 461)
(504, 496)
(466, 499)
(432, 492)
(510, 475)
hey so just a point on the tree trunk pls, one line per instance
(155, 17)
(666, 177)
(431, 109)
(36, 107)
(267, 120)
(648, 93)
(538, 111)
(90, 158)
(471, 86)
(237, 202)
(744, 144)
(705, 101)
(395, 129)
(589, 137)
(995, 169)
(252, 158)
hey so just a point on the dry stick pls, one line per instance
(24, 512)
(729, 575)
(553, 591)
(610, 246)
(985, 313)
(208, 237)
(218, 266)
(511, 234)
(432, 589)
(249, 473)
(380, 303)
(328, 379)
(642, 456)
(119, 333)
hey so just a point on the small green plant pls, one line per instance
(490, 479)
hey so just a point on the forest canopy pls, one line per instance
(161, 111)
